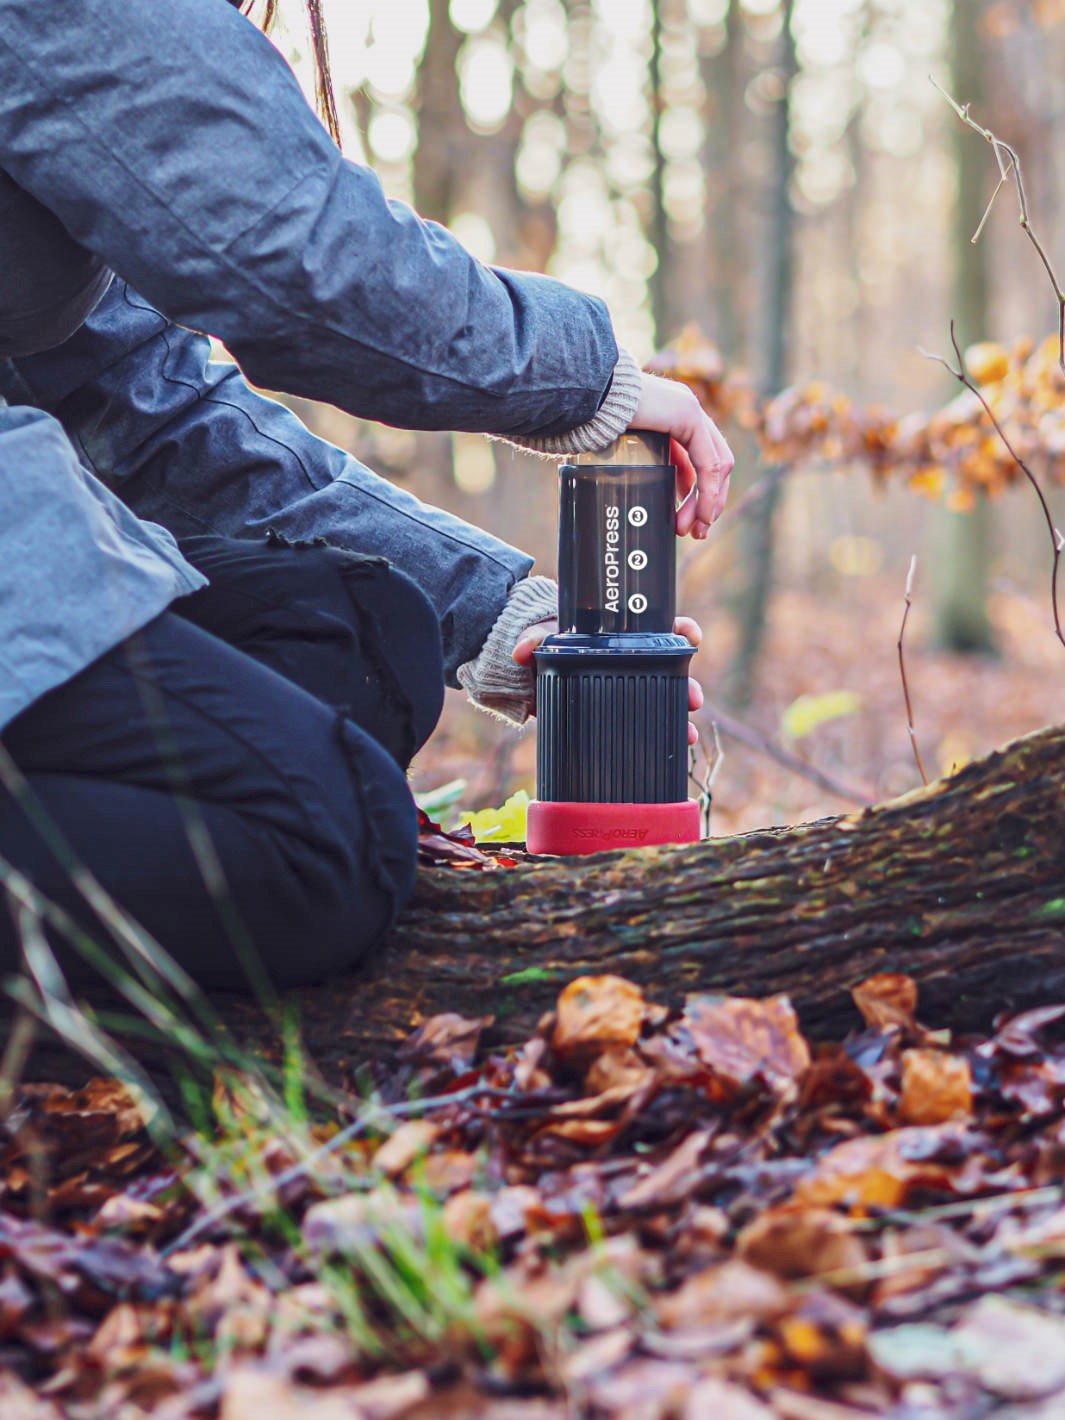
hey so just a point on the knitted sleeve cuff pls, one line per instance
(613, 417)
(493, 680)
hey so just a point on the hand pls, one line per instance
(683, 626)
(703, 458)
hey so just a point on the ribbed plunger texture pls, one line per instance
(609, 736)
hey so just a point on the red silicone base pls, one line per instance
(595, 828)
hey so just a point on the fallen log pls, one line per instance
(961, 885)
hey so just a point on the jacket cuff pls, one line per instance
(493, 680)
(614, 416)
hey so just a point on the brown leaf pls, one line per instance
(617, 1067)
(596, 1012)
(255, 1392)
(446, 1039)
(91, 1272)
(672, 1179)
(468, 1218)
(743, 1039)
(936, 1087)
(411, 1139)
(887, 999)
(806, 1242)
(882, 1171)
(713, 1399)
(729, 1292)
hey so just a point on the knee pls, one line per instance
(363, 872)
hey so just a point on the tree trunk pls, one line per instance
(964, 541)
(758, 531)
(960, 885)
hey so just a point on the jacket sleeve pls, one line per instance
(187, 444)
(173, 140)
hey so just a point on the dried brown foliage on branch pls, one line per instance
(953, 453)
(634, 1214)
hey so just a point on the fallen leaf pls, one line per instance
(713, 1399)
(887, 999)
(672, 1179)
(446, 1039)
(743, 1039)
(936, 1086)
(729, 1292)
(409, 1141)
(597, 1011)
(801, 1242)
(883, 1170)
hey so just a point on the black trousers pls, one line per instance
(233, 774)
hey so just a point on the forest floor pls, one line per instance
(631, 1216)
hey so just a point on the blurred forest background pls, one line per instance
(781, 177)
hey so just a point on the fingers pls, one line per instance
(699, 450)
(687, 487)
(689, 628)
(528, 641)
(695, 702)
(712, 460)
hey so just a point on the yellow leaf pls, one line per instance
(503, 825)
(804, 715)
(929, 480)
(987, 362)
(961, 500)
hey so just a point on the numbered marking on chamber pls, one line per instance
(637, 603)
(638, 515)
(637, 559)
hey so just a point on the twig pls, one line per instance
(1010, 165)
(1056, 540)
(755, 740)
(713, 769)
(902, 671)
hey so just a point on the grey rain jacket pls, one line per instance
(173, 144)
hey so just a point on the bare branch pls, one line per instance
(1009, 164)
(1056, 542)
(902, 672)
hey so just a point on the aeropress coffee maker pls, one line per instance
(612, 685)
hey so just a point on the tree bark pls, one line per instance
(960, 885)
